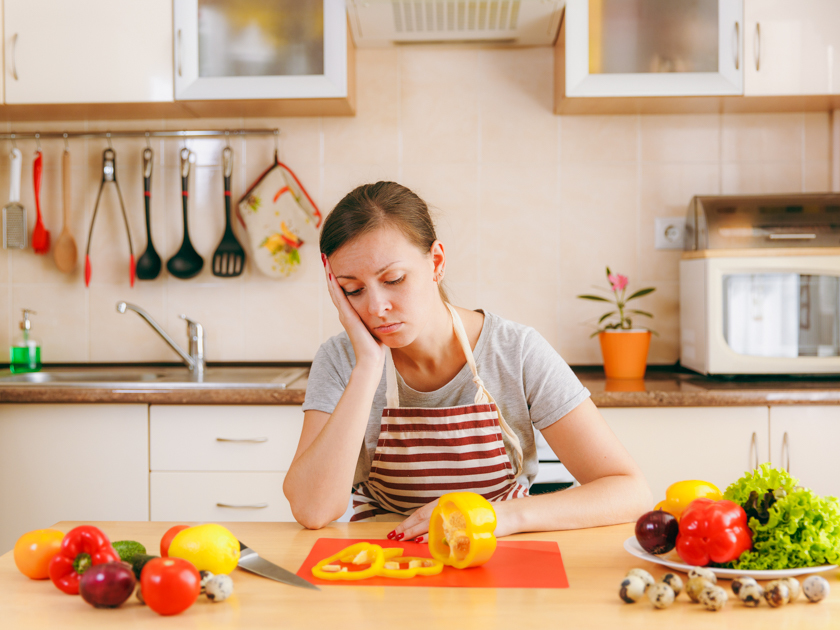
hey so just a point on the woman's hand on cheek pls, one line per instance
(416, 525)
(365, 345)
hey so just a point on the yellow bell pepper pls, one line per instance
(393, 568)
(461, 530)
(359, 554)
(680, 494)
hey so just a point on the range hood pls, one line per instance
(515, 22)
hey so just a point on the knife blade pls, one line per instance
(251, 561)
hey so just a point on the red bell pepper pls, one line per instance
(713, 531)
(81, 548)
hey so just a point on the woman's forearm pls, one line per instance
(605, 501)
(319, 481)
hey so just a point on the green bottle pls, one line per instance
(25, 354)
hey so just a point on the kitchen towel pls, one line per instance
(515, 564)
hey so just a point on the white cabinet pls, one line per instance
(71, 463)
(95, 51)
(790, 47)
(260, 49)
(803, 440)
(622, 48)
(221, 462)
(716, 444)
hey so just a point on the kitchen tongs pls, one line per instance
(109, 174)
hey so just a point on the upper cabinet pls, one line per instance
(790, 46)
(629, 48)
(260, 49)
(96, 51)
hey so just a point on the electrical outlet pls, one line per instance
(670, 232)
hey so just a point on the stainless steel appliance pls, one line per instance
(760, 285)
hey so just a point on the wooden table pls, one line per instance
(595, 563)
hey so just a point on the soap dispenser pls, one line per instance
(25, 354)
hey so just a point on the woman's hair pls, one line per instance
(383, 204)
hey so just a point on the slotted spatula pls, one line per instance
(229, 257)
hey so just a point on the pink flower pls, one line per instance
(617, 281)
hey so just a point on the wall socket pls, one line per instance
(670, 232)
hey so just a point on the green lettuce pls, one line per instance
(798, 528)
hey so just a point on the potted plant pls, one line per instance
(623, 347)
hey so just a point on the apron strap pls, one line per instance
(392, 393)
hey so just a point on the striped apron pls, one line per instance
(424, 453)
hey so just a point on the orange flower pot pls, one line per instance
(625, 352)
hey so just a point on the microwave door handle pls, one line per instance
(792, 237)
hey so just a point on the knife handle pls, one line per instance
(248, 506)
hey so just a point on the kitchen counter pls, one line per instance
(662, 387)
(667, 386)
(594, 559)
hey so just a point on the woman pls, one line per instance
(417, 397)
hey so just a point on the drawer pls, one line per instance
(223, 437)
(211, 497)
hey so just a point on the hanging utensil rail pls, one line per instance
(185, 134)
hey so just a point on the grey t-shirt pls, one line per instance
(529, 380)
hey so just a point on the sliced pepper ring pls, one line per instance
(421, 566)
(360, 553)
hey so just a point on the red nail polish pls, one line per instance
(330, 277)
(400, 536)
(418, 539)
(391, 535)
(324, 260)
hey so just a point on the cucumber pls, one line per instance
(139, 562)
(128, 549)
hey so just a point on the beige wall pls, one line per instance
(531, 207)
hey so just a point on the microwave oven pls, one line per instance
(760, 285)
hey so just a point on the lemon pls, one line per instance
(208, 547)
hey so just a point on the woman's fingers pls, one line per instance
(417, 524)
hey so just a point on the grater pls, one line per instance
(14, 214)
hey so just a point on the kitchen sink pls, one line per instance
(156, 378)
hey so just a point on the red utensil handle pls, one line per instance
(36, 180)
(87, 270)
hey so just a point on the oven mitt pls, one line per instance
(280, 218)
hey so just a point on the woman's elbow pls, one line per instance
(307, 511)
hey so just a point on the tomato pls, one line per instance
(169, 585)
(35, 549)
(167, 539)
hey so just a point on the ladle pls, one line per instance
(186, 263)
(149, 264)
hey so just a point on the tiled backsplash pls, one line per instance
(531, 207)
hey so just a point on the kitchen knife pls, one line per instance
(251, 561)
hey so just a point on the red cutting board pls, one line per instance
(515, 564)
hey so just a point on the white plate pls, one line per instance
(632, 546)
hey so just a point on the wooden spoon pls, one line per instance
(65, 253)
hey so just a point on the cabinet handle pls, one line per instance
(178, 52)
(14, 60)
(754, 450)
(757, 47)
(244, 506)
(252, 440)
(786, 451)
(736, 34)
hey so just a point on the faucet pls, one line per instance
(195, 333)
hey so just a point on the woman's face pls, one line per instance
(390, 283)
